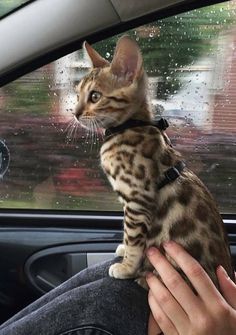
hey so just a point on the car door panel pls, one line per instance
(50, 267)
(36, 259)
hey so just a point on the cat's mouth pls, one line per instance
(88, 122)
(84, 122)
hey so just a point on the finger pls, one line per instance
(168, 304)
(173, 281)
(153, 328)
(195, 273)
(227, 286)
(161, 319)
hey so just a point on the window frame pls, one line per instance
(100, 35)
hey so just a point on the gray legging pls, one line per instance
(90, 303)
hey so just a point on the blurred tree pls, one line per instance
(175, 42)
(29, 95)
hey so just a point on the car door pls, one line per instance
(58, 214)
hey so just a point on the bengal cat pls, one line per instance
(162, 199)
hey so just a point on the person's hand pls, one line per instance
(176, 310)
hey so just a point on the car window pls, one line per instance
(10, 5)
(190, 60)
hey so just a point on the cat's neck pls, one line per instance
(143, 112)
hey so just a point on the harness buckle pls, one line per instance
(162, 124)
(172, 174)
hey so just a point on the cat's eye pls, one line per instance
(77, 97)
(95, 96)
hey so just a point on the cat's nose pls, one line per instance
(78, 112)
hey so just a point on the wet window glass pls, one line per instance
(48, 162)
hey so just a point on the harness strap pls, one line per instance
(161, 124)
(171, 174)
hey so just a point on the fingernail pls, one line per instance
(168, 244)
(151, 251)
(224, 272)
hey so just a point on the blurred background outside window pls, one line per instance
(190, 60)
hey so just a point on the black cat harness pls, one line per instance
(161, 124)
(172, 173)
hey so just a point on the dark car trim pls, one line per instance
(41, 218)
(93, 219)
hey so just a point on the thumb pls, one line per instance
(227, 286)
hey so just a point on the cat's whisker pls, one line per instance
(98, 131)
(67, 125)
(87, 135)
(75, 132)
(87, 122)
(71, 131)
(100, 127)
(89, 130)
(91, 134)
(67, 128)
(94, 135)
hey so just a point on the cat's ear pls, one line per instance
(127, 62)
(96, 59)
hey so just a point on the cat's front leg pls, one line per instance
(134, 244)
(129, 265)
(120, 250)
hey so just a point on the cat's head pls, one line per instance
(113, 92)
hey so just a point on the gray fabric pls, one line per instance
(90, 303)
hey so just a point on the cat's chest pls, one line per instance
(128, 171)
(118, 162)
(114, 166)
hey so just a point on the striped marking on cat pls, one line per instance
(117, 99)
(182, 228)
(91, 76)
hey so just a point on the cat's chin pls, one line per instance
(84, 126)
(85, 123)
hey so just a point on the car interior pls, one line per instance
(58, 214)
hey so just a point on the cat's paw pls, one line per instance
(120, 250)
(121, 271)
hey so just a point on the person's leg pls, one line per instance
(86, 276)
(106, 306)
